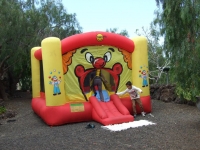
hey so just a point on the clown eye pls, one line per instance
(107, 56)
(89, 57)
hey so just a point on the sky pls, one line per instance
(94, 15)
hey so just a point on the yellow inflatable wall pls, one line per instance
(140, 64)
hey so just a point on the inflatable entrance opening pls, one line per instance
(61, 71)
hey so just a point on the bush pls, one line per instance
(2, 110)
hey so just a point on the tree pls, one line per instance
(179, 23)
(157, 61)
(23, 25)
(115, 30)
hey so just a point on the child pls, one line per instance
(96, 80)
(135, 97)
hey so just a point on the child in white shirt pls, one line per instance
(135, 97)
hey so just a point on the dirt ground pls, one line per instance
(177, 128)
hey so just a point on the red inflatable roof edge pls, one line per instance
(96, 38)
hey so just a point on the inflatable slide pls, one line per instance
(111, 112)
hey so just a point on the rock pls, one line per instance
(166, 93)
(191, 103)
(10, 114)
(155, 92)
(178, 101)
(165, 98)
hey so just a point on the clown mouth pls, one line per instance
(82, 74)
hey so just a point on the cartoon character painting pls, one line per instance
(144, 78)
(55, 82)
(144, 75)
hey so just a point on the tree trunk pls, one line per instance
(3, 92)
(13, 80)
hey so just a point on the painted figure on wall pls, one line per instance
(144, 77)
(55, 82)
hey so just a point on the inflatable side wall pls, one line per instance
(140, 72)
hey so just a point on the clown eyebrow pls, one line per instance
(83, 50)
(112, 49)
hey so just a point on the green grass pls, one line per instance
(2, 110)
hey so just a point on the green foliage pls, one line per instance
(184, 94)
(180, 24)
(26, 84)
(24, 24)
(115, 30)
(156, 56)
(2, 110)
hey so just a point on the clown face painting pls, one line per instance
(110, 60)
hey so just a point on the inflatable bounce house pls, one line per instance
(61, 77)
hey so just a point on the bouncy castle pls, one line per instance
(61, 69)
